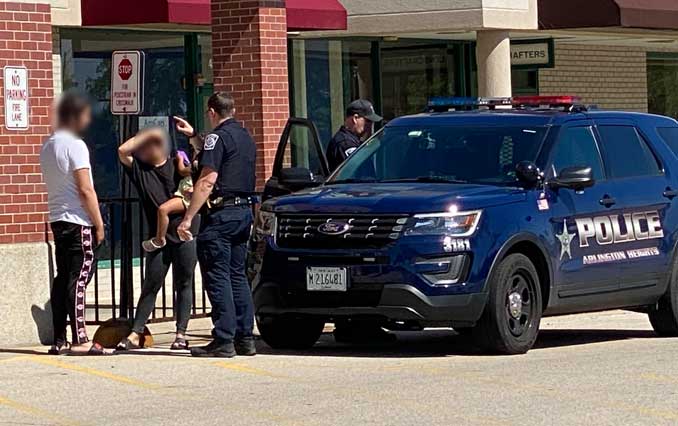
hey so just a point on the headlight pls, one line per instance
(462, 224)
(266, 225)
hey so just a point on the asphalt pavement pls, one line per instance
(598, 369)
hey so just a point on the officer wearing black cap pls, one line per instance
(359, 123)
(224, 191)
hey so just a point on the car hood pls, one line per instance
(398, 198)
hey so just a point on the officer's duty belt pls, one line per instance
(223, 202)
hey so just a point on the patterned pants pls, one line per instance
(74, 253)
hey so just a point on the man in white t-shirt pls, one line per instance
(75, 220)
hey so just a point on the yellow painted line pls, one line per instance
(659, 378)
(92, 372)
(36, 412)
(14, 358)
(243, 368)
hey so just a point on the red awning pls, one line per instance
(301, 14)
(651, 14)
(316, 15)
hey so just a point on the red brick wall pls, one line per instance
(249, 41)
(25, 40)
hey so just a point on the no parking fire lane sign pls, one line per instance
(16, 98)
(127, 78)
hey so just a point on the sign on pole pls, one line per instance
(16, 98)
(127, 78)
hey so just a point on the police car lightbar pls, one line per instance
(546, 101)
(443, 103)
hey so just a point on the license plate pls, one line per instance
(326, 279)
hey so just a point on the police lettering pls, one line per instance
(614, 229)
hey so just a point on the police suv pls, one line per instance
(483, 214)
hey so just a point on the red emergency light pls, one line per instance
(547, 101)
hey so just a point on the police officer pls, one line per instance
(224, 191)
(359, 124)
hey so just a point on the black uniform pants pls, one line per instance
(222, 252)
(74, 254)
(182, 258)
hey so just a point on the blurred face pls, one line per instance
(213, 118)
(153, 151)
(81, 124)
(360, 126)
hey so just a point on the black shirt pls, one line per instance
(342, 145)
(156, 185)
(231, 152)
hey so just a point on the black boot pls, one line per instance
(245, 346)
(214, 349)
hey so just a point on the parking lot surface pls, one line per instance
(603, 369)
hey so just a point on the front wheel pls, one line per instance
(664, 317)
(290, 333)
(510, 323)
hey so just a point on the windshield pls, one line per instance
(454, 154)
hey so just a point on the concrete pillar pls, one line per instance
(493, 52)
(249, 45)
(24, 252)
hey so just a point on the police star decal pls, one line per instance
(565, 239)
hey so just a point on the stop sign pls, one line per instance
(125, 69)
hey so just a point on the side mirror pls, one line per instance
(528, 174)
(299, 176)
(575, 178)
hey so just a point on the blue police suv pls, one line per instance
(484, 220)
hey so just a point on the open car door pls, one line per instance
(299, 161)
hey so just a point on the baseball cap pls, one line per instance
(363, 108)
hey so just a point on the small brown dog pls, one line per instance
(111, 332)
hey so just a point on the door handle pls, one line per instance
(608, 201)
(670, 193)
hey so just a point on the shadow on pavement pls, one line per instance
(440, 343)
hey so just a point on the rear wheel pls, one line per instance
(664, 317)
(290, 333)
(510, 323)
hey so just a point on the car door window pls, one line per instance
(670, 136)
(577, 147)
(626, 153)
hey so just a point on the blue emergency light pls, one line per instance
(451, 103)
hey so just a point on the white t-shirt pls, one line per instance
(61, 155)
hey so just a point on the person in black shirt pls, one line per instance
(147, 162)
(227, 180)
(358, 126)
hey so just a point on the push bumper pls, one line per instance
(398, 302)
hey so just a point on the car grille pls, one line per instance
(357, 231)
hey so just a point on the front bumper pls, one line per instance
(397, 302)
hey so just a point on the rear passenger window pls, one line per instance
(670, 136)
(577, 147)
(626, 154)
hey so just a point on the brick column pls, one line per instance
(249, 41)
(25, 40)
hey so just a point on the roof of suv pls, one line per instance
(522, 117)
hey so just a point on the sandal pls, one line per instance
(59, 348)
(180, 344)
(95, 350)
(127, 345)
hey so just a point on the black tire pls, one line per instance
(504, 330)
(290, 333)
(664, 316)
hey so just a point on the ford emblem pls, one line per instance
(334, 228)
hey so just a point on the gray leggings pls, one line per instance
(182, 257)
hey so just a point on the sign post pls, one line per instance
(16, 98)
(127, 99)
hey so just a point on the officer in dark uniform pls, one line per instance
(224, 193)
(359, 124)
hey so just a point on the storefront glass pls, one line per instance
(662, 83)
(411, 74)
